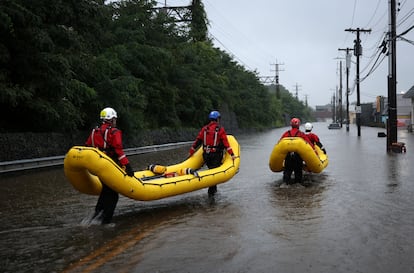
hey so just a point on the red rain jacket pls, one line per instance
(295, 132)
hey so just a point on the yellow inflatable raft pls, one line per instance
(315, 160)
(87, 168)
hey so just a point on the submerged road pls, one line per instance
(356, 216)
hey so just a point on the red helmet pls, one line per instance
(295, 122)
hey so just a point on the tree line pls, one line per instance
(62, 61)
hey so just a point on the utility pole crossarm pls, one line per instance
(267, 79)
(181, 14)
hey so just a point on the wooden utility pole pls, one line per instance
(340, 94)
(334, 107)
(357, 53)
(348, 67)
(392, 79)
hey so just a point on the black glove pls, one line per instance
(128, 170)
(324, 151)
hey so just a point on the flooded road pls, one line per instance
(356, 216)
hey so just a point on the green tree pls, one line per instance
(62, 61)
(198, 22)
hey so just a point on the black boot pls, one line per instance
(212, 190)
(286, 176)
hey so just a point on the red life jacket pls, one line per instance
(211, 139)
(108, 140)
(296, 133)
(100, 138)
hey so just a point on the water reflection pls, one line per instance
(133, 227)
(356, 216)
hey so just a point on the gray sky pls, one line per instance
(303, 36)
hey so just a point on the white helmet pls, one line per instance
(308, 126)
(108, 113)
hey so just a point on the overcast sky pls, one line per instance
(303, 36)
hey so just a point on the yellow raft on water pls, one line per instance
(87, 168)
(315, 159)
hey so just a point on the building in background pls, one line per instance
(404, 111)
(410, 95)
(323, 113)
(375, 113)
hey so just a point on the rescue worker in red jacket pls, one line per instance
(312, 136)
(293, 161)
(108, 139)
(213, 137)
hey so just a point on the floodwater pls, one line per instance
(356, 216)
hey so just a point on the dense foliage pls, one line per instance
(61, 61)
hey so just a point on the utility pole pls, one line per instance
(277, 69)
(340, 93)
(392, 79)
(357, 53)
(334, 107)
(348, 67)
(297, 91)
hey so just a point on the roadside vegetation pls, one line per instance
(62, 61)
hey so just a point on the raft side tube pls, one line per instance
(315, 160)
(87, 168)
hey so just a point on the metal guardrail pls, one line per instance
(27, 164)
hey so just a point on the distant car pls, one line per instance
(334, 126)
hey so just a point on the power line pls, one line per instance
(232, 34)
(374, 67)
(405, 32)
(229, 51)
(406, 40)
(375, 12)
